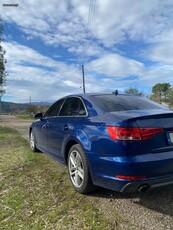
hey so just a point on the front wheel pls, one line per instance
(78, 170)
(33, 142)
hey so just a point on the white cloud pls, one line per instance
(42, 78)
(116, 71)
(20, 54)
(116, 66)
(63, 23)
(162, 51)
(32, 74)
(157, 74)
(54, 22)
(117, 21)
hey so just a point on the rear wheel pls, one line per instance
(33, 142)
(78, 170)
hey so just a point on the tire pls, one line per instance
(78, 170)
(32, 142)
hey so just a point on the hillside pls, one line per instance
(19, 108)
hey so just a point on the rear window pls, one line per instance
(111, 103)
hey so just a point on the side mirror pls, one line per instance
(38, 115)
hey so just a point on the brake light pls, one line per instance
(132, 134)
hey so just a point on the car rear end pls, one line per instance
(136, 150)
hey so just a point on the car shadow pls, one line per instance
(159, 200)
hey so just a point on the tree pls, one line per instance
(2, 60)
(134, 91)
(160, 92)
(32, 109)
(170, 95)
(2, 65)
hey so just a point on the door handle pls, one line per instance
(65, 127)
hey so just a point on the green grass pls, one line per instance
(36, 192)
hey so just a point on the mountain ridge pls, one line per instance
(18, 108)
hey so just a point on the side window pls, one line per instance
(82, 110)
(73, 107)
(54, 109)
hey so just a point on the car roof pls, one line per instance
(89, 95)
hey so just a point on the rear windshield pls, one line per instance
(111, 103)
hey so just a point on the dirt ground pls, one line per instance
(151, 210)
(22, 125)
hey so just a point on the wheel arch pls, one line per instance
(68, 146)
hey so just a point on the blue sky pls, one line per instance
(123, 43)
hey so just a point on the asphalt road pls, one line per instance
(150, 210)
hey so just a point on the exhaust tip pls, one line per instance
(143, 188)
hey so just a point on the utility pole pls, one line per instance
(30, 105)
(0, 106)
(19, 108)
(83, 76)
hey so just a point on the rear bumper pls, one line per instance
(158, 169)
(147, 184)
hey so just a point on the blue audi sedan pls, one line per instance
(119, 142)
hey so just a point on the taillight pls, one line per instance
(132, 134)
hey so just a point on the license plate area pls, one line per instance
(170, 138)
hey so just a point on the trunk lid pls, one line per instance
(152, 118)
(145, 118)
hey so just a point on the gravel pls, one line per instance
(149, 210)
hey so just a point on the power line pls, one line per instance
(89, 34)
(89, 26)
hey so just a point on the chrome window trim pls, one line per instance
(59, 109)
(78, 116)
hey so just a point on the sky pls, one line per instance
(122, 44)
